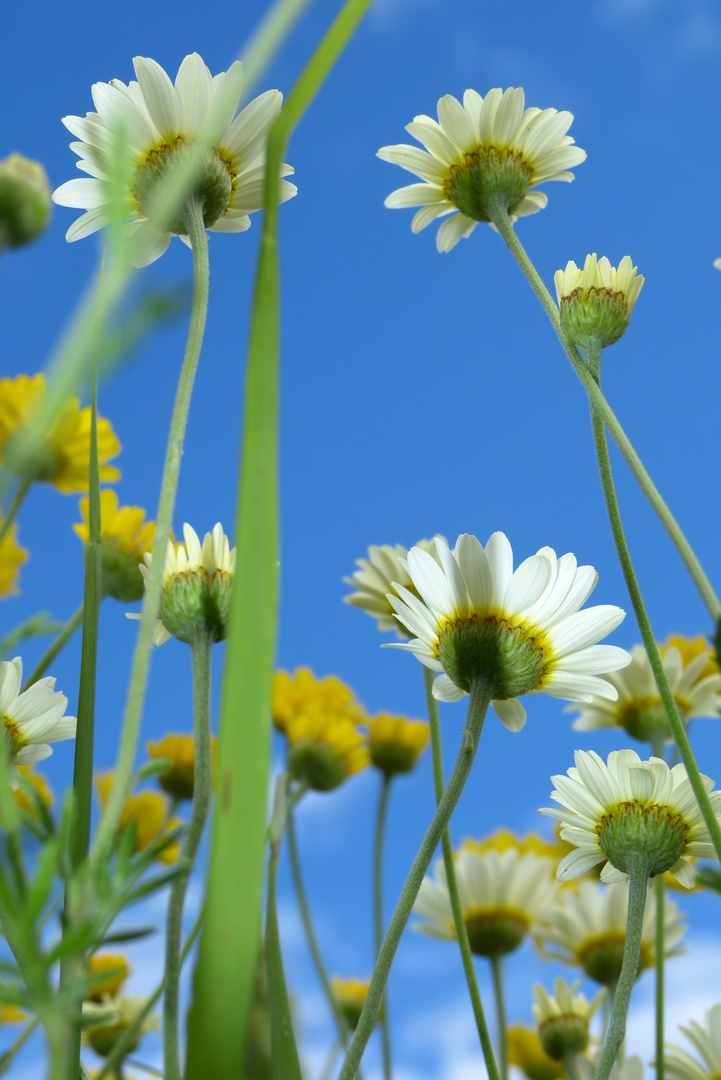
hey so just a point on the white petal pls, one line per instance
(194, 87)
(160, 96)
(148, 244)
(510, 712)
(500, 560)
(444, 689)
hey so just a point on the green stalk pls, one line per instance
(481, 694)
(201, 650)
(55, 647)
(502, 1038)
(378, 912)
(18, 499)
(223, 982)
(659, 966)
(284, 1052)
(309, 930)
(637, 888)
(601, 406)
(450, 867)
(153, 585)
(570, 1067)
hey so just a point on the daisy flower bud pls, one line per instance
(563, 1018)
(24, 201)
(350, 994)
(178, 780)
(596, 302)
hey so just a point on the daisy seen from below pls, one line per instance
(526, 1052)
(303, 692)
(125, 538)
(395, 743)
(63, 459)
(324, 750)
(350, 994)
(477, 620)
(586, 928)
(705, 1038)
(114, 969)
(502, 895)
(374, 579)
(197, 582)
(596, 302)
(12, 556)
(178, 780)
(32, 720)
(483, 157)
(629, 810)
(146, 813)
(563, 1018)
(693, 677)
(150, 125)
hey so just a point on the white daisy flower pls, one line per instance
(155, 121)
(374, 580)
(596, 302)
(631, 1068)
(586, 928)
(522, 630)
(502, 894)
(706, 1041)
(628, 807)
(485, 153)
(32, 719)
(563, 1018)
(197, 580)
(695, 685)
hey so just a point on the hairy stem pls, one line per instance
(378, 912)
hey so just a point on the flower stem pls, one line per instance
(18, 499)
(153, 585)
(502, 1038)
(201, 650)
(55, 647)
(461, 931)
(659, 965)
(570, 1067)
(481, 694)
(309, 930)
(378, 913)
(639, 608)
(599, 403)
(637, 889)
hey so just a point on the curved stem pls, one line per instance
(309, 930)
(461, 931)
(378, 912)
(637, 888)
(202, 793)
(659, 965)
(55, 646)
(599, 403)
(153, 584)
(481, 694)
(502, 1038)
(18, 499)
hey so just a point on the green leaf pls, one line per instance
(34, 626)
(131, 934)
(282, 1037)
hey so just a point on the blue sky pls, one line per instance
(422, 393)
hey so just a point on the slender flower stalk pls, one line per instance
(55, 647)
(153, 586)
(378, 911)
(660, 970)
(459, 922)
(481, 693)
(501, 1036)
(24, 485)
(202, 794)
(700, 579)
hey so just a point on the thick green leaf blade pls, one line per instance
(283, 1046)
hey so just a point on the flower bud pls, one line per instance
(24, 201)
(596, 302)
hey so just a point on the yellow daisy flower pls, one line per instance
(125, 537)
(350, 995)
(41, 787)
(526, 1052)
(396, 743)
(64, 458)
(11, 1014)
(147, 813)
(302, 693)
(324, 750)
(178, 780)
(12, 556)
(118, 969)
(506, 840)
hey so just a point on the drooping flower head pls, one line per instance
(63, 459)
(480, 156)
(146, 814)
(520, 630)
(586, 928)
(502, 896)
(396, 743)
(563, 1018)
(125, 538)
(374, 580)
(629, 809)
(153, 123)
(706, 1041)
(197, 583)
(303, 692)
(178, 780)
(12, 556)
(596, 302)
(693, 678)
(33, 719)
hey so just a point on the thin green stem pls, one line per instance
(55, 647)
(309, 930)
(327, 1070)
(9, 1054)
(659, 966)
(637, 889)
(599, 403)
(201, 650)
(501, 1037)
(570, 1067)
(461, 930)
(18, 499)
(378, 912)
(153, 585)
(481, 694)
